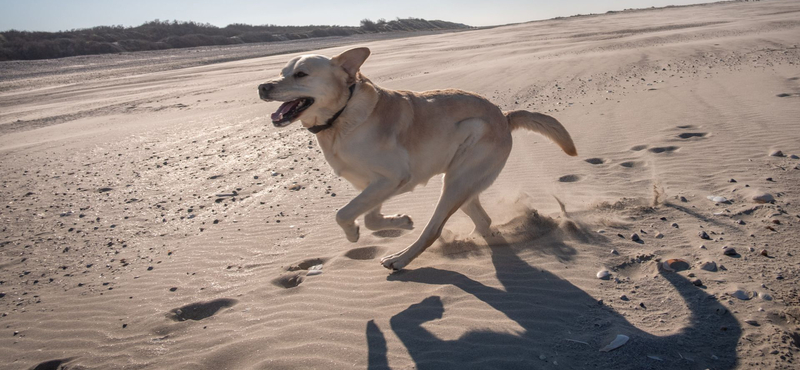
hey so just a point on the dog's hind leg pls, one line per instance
(375, 220)
(453, 196)
(477, 214)
(467, 177)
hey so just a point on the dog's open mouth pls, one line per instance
(289, 111)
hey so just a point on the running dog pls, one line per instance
(386, 142)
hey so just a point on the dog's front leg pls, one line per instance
(375, 193)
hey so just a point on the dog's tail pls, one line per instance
(544, 125)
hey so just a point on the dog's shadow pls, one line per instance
(561, 323)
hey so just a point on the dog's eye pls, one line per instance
(300, 74)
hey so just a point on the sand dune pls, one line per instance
(154, 219)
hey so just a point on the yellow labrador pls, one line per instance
(387, 142)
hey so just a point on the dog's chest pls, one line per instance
(344, 163)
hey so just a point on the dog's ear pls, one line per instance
(351, 60)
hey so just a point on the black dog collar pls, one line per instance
(329, 123)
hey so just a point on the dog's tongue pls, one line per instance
(284, 108)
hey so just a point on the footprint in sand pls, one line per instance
(631, 164)
(391, 233)
(364, 253)
(689, 135)
(786, 95)
(289, 280)
(595, 160)
(639, 148)
(569, 178)
(306, 264)
(664, 149)
(200, 310)
(297, 272)
(52, 364)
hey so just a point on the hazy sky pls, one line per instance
(55, 15)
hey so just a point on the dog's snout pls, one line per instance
(263, 90)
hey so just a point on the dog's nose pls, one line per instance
(263, 90)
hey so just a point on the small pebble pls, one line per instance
(659, 235)
(675, 225)
(683, 199)
(697, 282)
(740, 222)
(764, 296)
(709, 266)
(703, 235)
(603, 275)
(776, 153)
(635, 237)
(729, 251)
(717, 199)
(732, 180)
(741, 294)
(764, 253)
(623, 297)
(675, 264)
(794, 156)
(702, 246)
(752, 322)
(614, 251)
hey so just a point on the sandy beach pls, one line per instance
(153, 218)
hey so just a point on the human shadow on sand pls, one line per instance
(562, 324)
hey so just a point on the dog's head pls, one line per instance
(313, 87)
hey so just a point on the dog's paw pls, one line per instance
(352, 233)
(403, 222)
(394, 261)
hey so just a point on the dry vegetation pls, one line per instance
(160, 35)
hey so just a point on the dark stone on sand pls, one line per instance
(729, 251)
(173, 289)
(104, 190)
(697, 282)
(703, 235)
